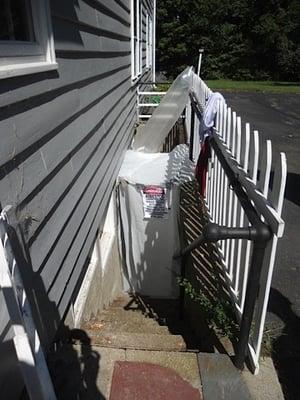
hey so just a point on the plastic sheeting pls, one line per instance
(149, 242)
(150, 138)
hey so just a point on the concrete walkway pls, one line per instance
(127, 366)
(100, 373)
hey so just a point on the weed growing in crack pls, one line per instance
(218, 313)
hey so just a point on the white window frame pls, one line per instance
(150, 45)
(141, 40)
(136, 67)
(22, 58)
(147, 41)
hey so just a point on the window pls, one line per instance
(136, 39)
(26, 40)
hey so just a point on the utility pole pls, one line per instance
(200, 61)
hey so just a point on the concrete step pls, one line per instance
(119, 320)
(137, 341)
(93, 372)
(135, 322)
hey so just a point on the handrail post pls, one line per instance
(259, 248)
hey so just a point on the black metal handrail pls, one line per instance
(258, 232)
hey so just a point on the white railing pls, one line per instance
(25, 337)
(143, 102)
(250, 159)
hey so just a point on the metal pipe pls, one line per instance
(259, 248)
(213, 233)
(197, 242)
(258, 232)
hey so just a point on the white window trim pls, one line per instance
(141, 39)
(136, 65)
(147, 42)
(22, 58)
(150, 42)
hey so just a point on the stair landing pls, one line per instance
(146, 353)
(137, 349)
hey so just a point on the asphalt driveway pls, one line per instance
(276, 117)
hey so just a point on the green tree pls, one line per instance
(243, 39)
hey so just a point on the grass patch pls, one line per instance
(254, 86)
(163, 87)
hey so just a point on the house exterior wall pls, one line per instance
(63, 137)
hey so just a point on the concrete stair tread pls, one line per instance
(136, 322)
(86, 371)
(127, 323)
(137, 341)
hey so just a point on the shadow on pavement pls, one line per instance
(75, 369)
(292, 192)
(286, 347)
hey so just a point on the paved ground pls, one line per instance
(276, 116)
(83, 366)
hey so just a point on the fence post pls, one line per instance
(259, 248)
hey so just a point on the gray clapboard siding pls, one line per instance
(38, 125)
(59, 189)
(63, 138)
(88, 229)
(98, 92)
(66, 231)
(59, 151)
(77, 269)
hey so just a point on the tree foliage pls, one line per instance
(242, 39)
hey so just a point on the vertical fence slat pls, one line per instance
(265, 168)
(242, 258)
(225, 209)
(231, 199)
(222, 184)
(254, 156)
(227, 189)
(218, 194)
(276, 199)
(279, 182)
(235, 267)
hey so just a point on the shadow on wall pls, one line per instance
(148, 268)
(149, 243)
(203, 269)
(74, 369)
(286, 347)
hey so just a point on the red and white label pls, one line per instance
(155, 202)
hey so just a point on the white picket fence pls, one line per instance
(250, 158)
(24, 334)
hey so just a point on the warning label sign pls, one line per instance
(155, 202)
